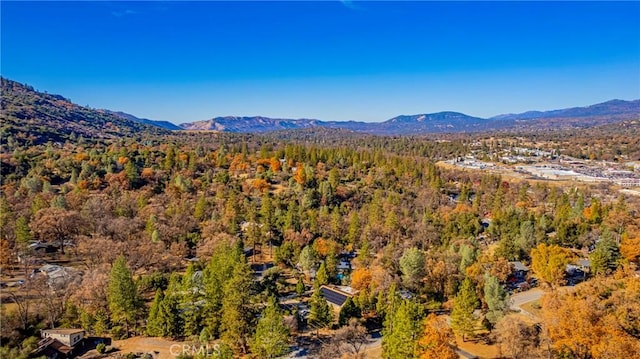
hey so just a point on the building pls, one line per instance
(59, 342)
(519, 269)
(337, 296)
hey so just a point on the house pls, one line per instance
(519, 269)
(69, 337)
(59, 343)
(338, 295)
(584, 264)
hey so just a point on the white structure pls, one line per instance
(68, 337)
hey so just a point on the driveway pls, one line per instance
(521, 298)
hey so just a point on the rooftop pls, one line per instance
(335, 296)
(62, 331)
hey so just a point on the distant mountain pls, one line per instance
(431, 123)
(36, 117)
(436, 122)
(440, 122)
(162, 124)
(42, 117)
(250, 124)
(609, 108)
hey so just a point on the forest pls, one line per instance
(207, 237)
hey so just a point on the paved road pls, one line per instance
(521, 298)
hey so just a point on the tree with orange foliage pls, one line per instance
(598, 320)
(549, 263)
(361, 278)
(260, 184)
(630, 248)
(5, 254)
(274, 164)
(300, 175)
(436, 339)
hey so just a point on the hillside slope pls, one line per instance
(36, 117)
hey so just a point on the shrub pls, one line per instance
(101, 348)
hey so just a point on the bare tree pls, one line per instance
(57, 224)
(354, 336)
(517, 339)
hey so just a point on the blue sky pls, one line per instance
(329, 60)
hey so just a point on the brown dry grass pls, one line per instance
(478, 348)
(148, 345)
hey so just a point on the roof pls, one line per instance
(62, 331)
(334, 296)
(519, 266)
(584, 262)
(50, 347)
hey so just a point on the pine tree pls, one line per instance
(235, 326)
(122, 295)
(349, 310)
(322, 277)
(353, 232)
(216, 274)
(463, 320)
(320, 314)
(401, 331)
(300, 287)
(412, 265)
(169, 313)
(154, 326)
(272, 335)
(496, 298)
(23, 233)
(190, 297)
(201, 206)
(606, 255)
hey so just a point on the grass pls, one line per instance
(533, 308)
(478, 348)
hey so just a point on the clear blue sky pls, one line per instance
(365, 61)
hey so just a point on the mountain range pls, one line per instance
(441, 122)
(42, 112)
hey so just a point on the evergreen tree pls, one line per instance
(322, 277)
(272, 335)
(349, 310)
(307, 258)
(606, 255)
(496, 298)
(169, 313)
(216, 274)
(401, 331)
(300, 287)
(23, 233)
(189, 303)
(154, 326)
(205, 336)
(320, 314)
(468, 255)
(412, 265)
(122, 295)
(235, 327)
(463, 320)
(353, 232)
(201, 206)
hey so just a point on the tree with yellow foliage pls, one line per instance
(549, 263)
